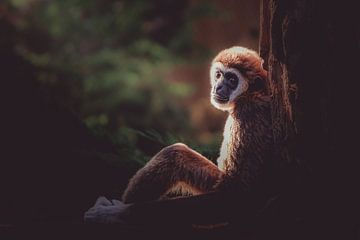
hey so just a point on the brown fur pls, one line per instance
(247, 61)
(248, 144)
(245, 149)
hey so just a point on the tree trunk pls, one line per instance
(310, 49)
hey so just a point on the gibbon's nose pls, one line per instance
(218, 88)
(222, 91)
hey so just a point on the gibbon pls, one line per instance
(246, 160)
(238, 86)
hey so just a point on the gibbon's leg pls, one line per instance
(172, 165)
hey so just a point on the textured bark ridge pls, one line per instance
(305, 44)
(278, 21)
(310, 49)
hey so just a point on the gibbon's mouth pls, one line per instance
(220, 99)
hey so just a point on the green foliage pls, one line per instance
(108, 60)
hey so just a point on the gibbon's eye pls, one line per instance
(232, 80)
(218, 75)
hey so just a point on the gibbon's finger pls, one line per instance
(103, 201)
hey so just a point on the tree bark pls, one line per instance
(310, 49)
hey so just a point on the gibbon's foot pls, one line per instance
(106, 212)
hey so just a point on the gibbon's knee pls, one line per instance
(154, 179)
(189, 167)
(176, 148)
(170, 154)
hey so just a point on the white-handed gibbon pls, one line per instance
(238, 86)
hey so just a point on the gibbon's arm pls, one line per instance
(209, 208)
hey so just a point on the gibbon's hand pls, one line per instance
(106, 211)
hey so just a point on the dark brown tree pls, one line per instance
(311, 50)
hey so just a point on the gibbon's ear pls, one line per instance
(257, 84)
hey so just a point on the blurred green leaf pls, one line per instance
(108, 60)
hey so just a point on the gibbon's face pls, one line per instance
(227, 84)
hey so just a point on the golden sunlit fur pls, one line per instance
(246, 145)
